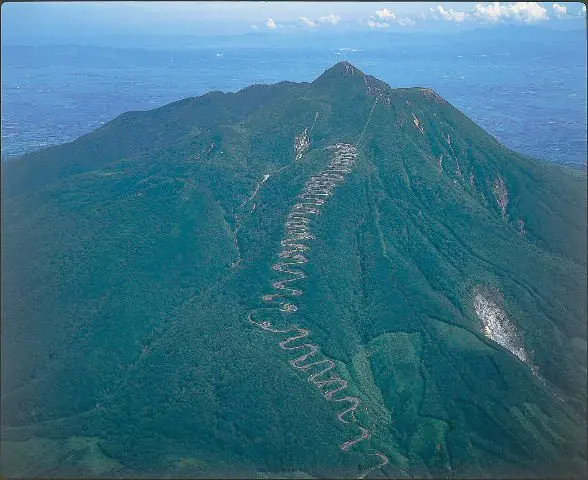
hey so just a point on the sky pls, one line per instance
(55, 21)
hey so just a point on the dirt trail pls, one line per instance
(261, 182)
(368, 122)
(295, 246)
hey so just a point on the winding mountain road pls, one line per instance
(295, 246)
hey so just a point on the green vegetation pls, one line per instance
(130, 264)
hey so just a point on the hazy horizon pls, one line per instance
(47, 23)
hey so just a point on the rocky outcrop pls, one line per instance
(501, 194)
(497, 326)
(430, 93)
(418, 124)
(301, 143)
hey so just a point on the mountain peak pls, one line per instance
(346, 68)
(340, 69)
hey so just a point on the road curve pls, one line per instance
(294, 248)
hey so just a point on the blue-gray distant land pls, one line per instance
(526, 86)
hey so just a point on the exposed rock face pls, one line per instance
(496, 325)
(501, 194)
(376, 88)
(430, 93)
(301, 143)
(417, 123)
(458, 168)
(350, 69)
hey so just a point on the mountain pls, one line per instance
(296, 280)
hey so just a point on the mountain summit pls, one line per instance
(333, 278)
(341, 69)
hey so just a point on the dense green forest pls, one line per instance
(446, 279)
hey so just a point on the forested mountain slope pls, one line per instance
(332, 278)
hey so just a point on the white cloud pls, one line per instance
(526, 12)
(385, 14)
(405, 22)
(331, 18)
(582, 11)
(308, 22)
(374, 24)
(255, 27)
(384, 17)
(529, 12)
(492, 12)
(559, 10)
(271, 24)
(451, 14)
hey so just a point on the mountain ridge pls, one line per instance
(183, 108)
